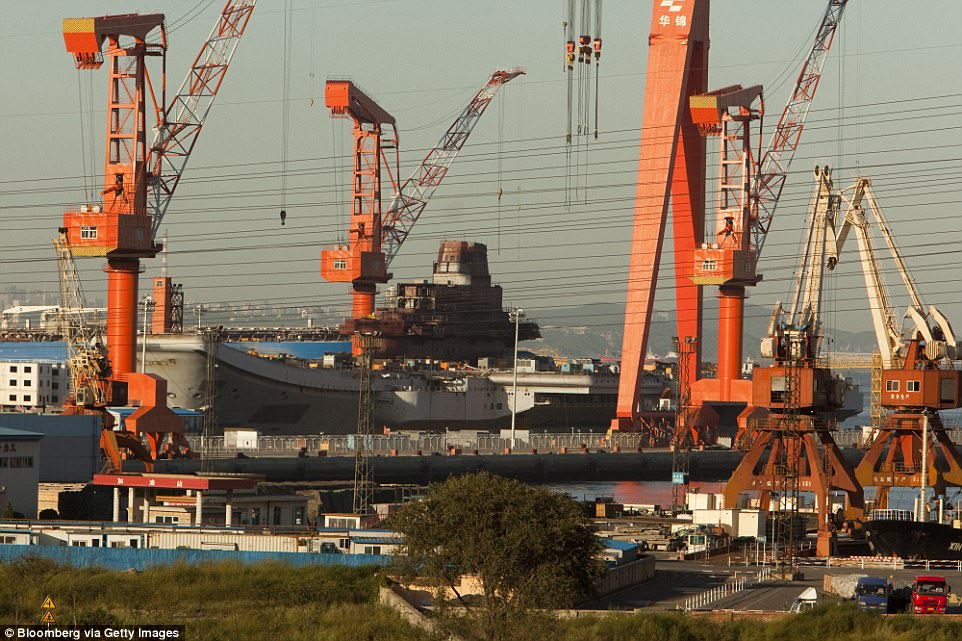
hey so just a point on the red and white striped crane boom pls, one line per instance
(415, 193)
(773, 169)
(184, 116)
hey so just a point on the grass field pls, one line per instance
(275, 602)
(227, 601)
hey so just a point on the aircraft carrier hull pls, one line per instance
(284, 397)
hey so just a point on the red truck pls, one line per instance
(929, 595)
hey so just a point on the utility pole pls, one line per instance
(148, 307)
(211, 344)
(516, 316)
(200, 309)
(681, 445)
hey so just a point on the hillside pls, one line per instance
(596, 330)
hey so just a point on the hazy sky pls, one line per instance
(888, 108)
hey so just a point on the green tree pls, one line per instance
(527, 547)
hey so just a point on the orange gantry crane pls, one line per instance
(376, 236)
(671, 170)
(140, 179)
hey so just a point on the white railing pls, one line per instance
(425, 444)
(727, 589)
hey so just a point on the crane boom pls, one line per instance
(86, 356)
(413, 197)
(183, 118)
(931, 323)
(774, 165)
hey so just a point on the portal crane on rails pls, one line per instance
(917, 378)
(140, 180)
(793, 450)
(672, 169)
(376, 236)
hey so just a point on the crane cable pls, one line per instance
(83, 138)
(500, 191)
(286, 108)
(569, 28)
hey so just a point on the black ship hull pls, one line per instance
(914, 540)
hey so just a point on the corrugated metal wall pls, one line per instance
(127, 559)
(70, 448)
(242, 542)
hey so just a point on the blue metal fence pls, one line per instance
(141, 559)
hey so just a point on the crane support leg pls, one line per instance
(672, 47)
(820, 469)
(894, 459)
(688, 212)
(731, 312)
(122, 277)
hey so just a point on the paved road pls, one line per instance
(676, 580)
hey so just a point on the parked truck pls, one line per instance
(929, 595)
(873, 594)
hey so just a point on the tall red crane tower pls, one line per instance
(139, 180)
(376, 236)
(362, 262)
(671, 169)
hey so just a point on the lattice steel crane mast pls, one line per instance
(86, 353)
(139, 180)
(377, 236)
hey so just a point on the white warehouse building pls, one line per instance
(31, 384)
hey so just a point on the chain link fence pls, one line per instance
(422, 444)
(457, 442)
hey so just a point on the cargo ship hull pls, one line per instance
(914, 540)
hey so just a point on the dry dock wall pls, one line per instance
(652, 465)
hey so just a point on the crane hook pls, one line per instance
(283, 216)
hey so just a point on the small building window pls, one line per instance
(27, 382)
(55, 371)
(891, 386)
(27, 398)
(13, 369)
(298, 516)
(912, 386)
(27, 369)
(277, 515)
(340, 264)
(372, 549)
(709, 265)
(55, 385)
(88, 232)
(13, 397)
(13, 382)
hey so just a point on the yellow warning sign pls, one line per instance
(48, 617)
(48, 604)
